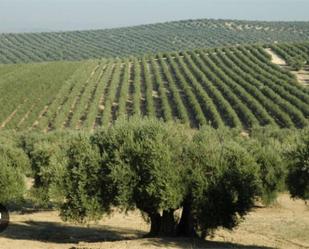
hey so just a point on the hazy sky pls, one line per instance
(54, 15)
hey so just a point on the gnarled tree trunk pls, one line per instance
(168, 223)
(155, 219)
(185, 227)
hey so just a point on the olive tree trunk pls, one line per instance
(185, 227)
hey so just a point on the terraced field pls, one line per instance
(234, 87)
(139, 40)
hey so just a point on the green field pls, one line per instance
(139, 40)
(234, 87)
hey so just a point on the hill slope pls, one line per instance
(235, 87)
(171, 36)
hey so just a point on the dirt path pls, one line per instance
(302, 76)
(8, 119)
(285, 225)
(26, 115)
(276, 59)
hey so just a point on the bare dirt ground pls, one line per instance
(275, 58)
(302, 76)
(285, 225)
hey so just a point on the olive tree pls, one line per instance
(81, 182)
(222, 183)
(298, 172)
(268, 155)
(137, 168)
(47, 159)
(159, 168)
(14, 166)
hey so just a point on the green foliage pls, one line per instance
(295, 56)
(47, 158)
(46, 164)
(297, 63)
(298, 174)
(224, 180)
(137, 168)
(28, 89)
(214, 175)
(82, 182)
(14, 165)
(272, 169)
(156, 168)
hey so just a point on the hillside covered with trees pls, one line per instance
(139, 40)
(233, 87)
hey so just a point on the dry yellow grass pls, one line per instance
(285, 225)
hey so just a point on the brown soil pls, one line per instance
(276, 59)
(302, 75)
(285, 225)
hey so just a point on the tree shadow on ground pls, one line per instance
(197, 244)
(62, 233)
(54, 232)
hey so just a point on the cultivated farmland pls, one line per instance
(233, 87)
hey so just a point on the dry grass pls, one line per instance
(285, 225)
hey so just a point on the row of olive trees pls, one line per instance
(296, 58)
(213, 176)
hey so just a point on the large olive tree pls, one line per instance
(159, 168)
(222, 181)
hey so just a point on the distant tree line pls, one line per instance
(143, 39)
